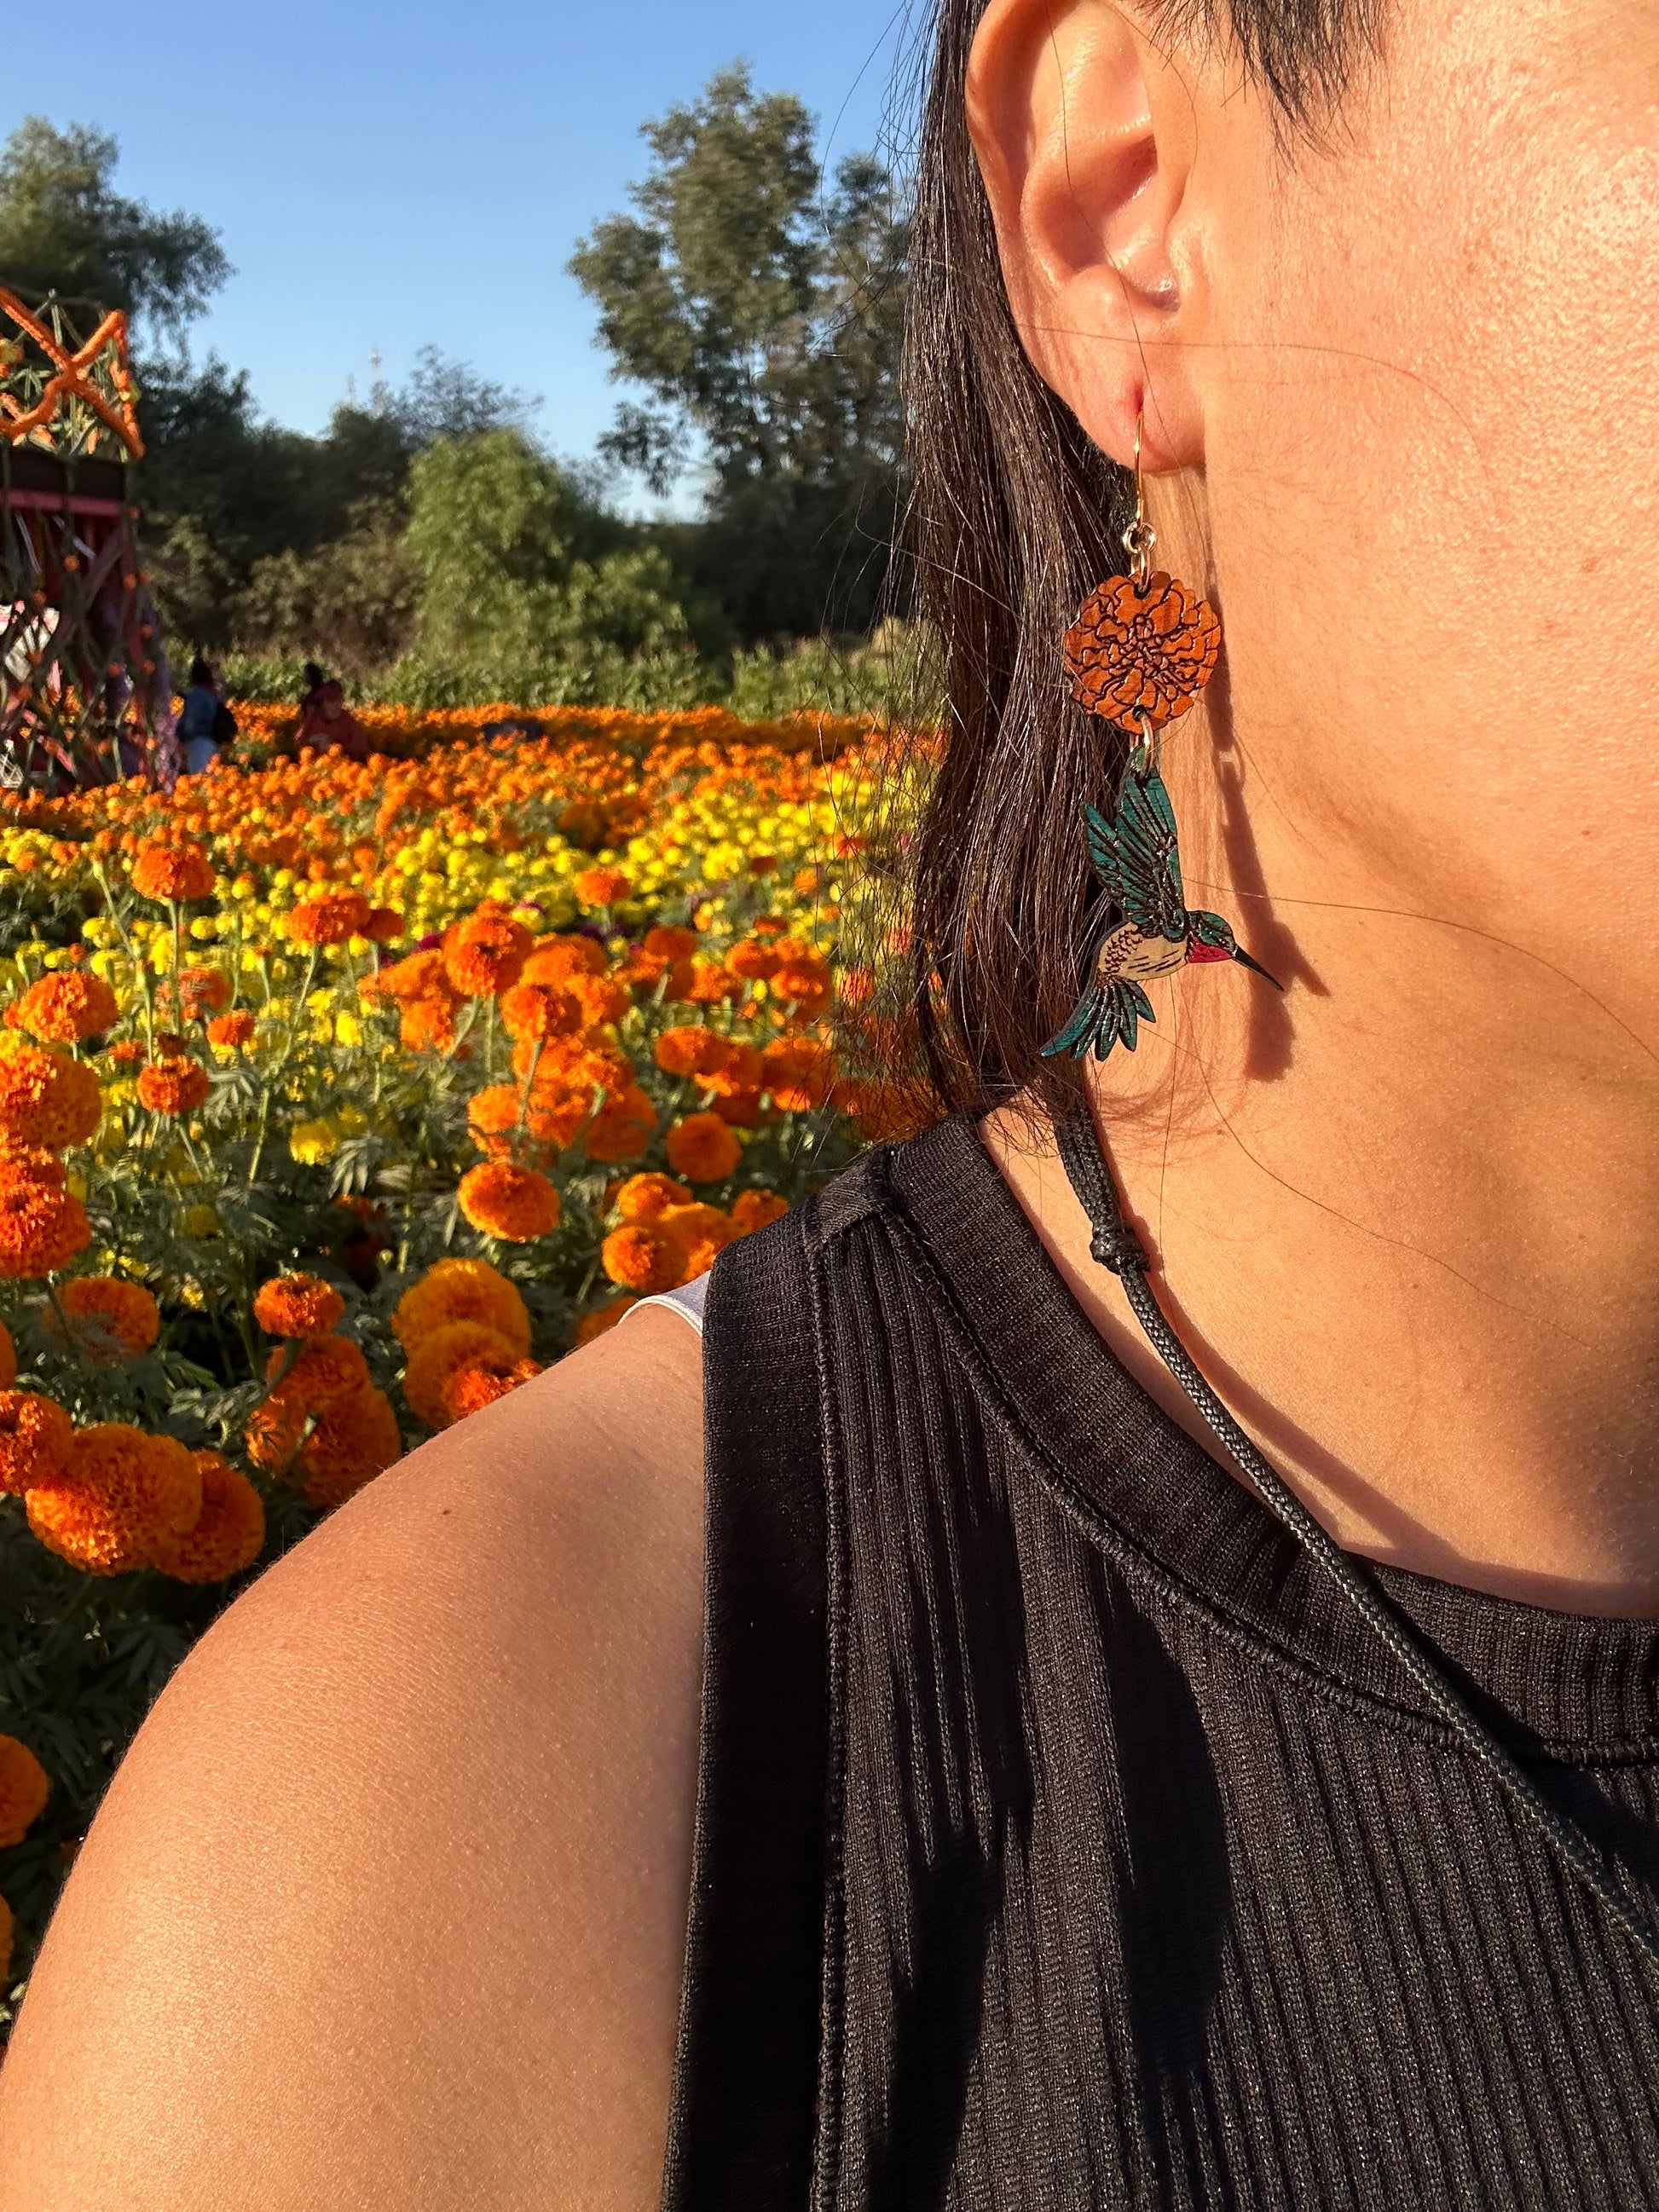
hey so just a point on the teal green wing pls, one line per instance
(1136, 855)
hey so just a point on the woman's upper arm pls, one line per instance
(385, 1906)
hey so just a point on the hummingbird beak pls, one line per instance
(1254, 966)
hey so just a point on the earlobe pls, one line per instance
(1085, 145)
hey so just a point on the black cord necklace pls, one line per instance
(1116, 1246)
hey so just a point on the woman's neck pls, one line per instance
(1404, 1218)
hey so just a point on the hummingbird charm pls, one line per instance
(1136, 855)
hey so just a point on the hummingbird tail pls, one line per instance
(1106, 1014)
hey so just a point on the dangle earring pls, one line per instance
(1139, 653)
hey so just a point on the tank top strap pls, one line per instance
(743, 2117)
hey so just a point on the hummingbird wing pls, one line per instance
(1136, 855)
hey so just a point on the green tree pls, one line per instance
(514, 563)
(64, 227)
(763, 315)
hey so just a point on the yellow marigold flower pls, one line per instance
(118, 1492)
(600, 1322)
(327, 1367)
(35, 1437)
(112, 1319)
(515, 1204)
(173, 872)
(41, 1230)
(641, 1256)
(754, 1209)
(174, 1085)
(297, 1305)
(356, 1438)
(229, 1534)
(329, 918)
(462, 1289)
(24, 1790)
(47, 1099)
(313, 1142)
(648, 1197)
(61, 1009)
(702, 1149)
(441, 1353)
(601, 886)
(482, 1381)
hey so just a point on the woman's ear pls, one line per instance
(1085, 137)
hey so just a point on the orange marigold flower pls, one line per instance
(702, 1233)
(556, 959)
(41, 1230)
(689, 1051)
(228, 1032)
(385, 925)
(712, 984)
(24, 1790)
(112, 1319)
(754, 1209)
(801, 1073)
(275, 1430)
(124, 1051)
(622, 1127)
(752, 960)
(32, 1164)
(47, 1098)
(702, 1149)
(648, 1197)
(601, 886)
(486, 955)
(172, 872)
(297, 1305)
(515, 1204)
(669, 941)
(329, 918)
(117, 1493)
(64, 1008)
(326, 1368)
(203, 990)
(482, 1381)
(428, 1024)
(356, 1438)
(462, 1289)
(175, 1085)
(416, 977)
(443, 1351)
(641, 1256)
(35, 1436)
(229, 1533)
(736, 1068)
(600, 1322)
(8, 1360)
(600, 997)
(741, 1110)
(540, 1011)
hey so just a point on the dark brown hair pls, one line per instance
(1014, 517)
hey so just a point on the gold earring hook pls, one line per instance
(1140, 537)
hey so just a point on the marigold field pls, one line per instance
(338, 1100)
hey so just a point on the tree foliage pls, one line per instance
(762, 313)
(64, 227)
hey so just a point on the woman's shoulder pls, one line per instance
(389, 1895)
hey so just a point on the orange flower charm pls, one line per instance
(1131, 654)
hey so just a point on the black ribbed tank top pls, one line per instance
(1064, 1839)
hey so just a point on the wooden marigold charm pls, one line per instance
(1134, 655)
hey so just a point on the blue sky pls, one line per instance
(388, 177)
